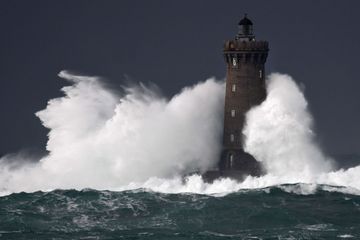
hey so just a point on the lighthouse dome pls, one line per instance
(245, 21)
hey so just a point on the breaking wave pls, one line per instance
(102, 139)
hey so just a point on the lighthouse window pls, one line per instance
(234, 62)
(233, 88)
(232, 138)
(233, 113)
(231, 158)
(260, 73)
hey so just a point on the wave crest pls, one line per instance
(105, 140)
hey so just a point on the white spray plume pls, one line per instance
(99, 139)
(279, 132)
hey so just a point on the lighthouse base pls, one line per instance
(234, 164)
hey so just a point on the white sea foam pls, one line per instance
(104, 140)
(346, 236)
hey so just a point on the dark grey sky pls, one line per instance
(175, 44)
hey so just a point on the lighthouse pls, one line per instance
(245, 59)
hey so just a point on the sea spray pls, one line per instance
(100, 139)
(104, 140)
(279, 132)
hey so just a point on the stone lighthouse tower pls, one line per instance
(245, 87)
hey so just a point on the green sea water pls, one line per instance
(271, 213)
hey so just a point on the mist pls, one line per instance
(279, 132)
(102, 139)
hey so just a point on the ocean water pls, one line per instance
(278, 212)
